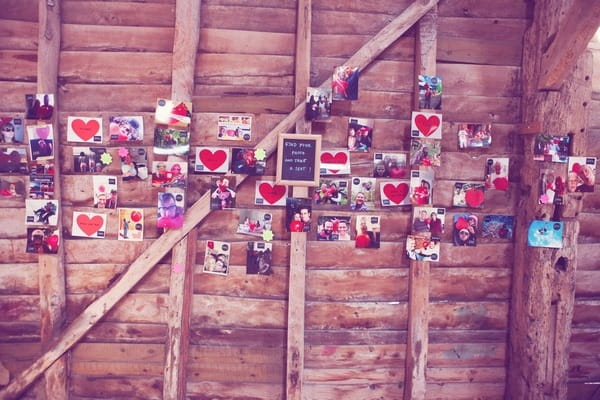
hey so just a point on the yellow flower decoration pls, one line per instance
(106, 158)
(267, 236)
(260, 154)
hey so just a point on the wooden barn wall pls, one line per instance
(116, 60)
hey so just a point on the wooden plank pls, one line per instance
(235, 391)
(79, 37)
(118, 13)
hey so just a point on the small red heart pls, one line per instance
(88, 225)
(212, 160)
(43, 132)
(396, 193)
(461, 223)
(427, 126)
(338, 158)
(85, 130)
(210, 244)
(576, 168)
(271, 193)
(179, 114)
(474, 197)
(500, 183)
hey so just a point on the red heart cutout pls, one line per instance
(461, 223)
(179, 114)
(427, 126)
(500, 183)
(339, 158)
(396, 193)
(42, 132)
(210, 244)
(85, 130)
(474, 197)
(271, 193)
(88, 225)
(212, 160)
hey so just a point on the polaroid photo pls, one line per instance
(41, 167)
(582, 174)
(344, 83)
(126, 129)
(222, 193)
(13, 160)
(41, 141)
(368, 230)
(430, 92)
(169, 174)
(41, 186)
(42, 240)
(464, 231)
(243, 161)
(41, 212)
(394, 193)
(254, 222)
(468, 194)
(259, 258)
(421, 187)
(267, 193)
(334, 162)
(426, 125)
(211, 160)
(39, 106)
(171, 210)
(105, 191)
(498, 226)
(177, 114)
(425, 152)
(318, 104)
(360, 134)
(496, 173)
(545, 234)
(430, 220)
(551, 148)
(390, 165)
(331, 228)
(331, 191)
(84, 129)
(552, 185)
(422, 247)
(131, 224)
(235, 127)
(298, 214)
(88, 159)
(363, 194)
(171, 141)
(134, 163)
(11, 130)
(12, 187)
(216, 257)
(89, 225)
(474, 136)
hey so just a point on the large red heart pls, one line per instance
(88, 225)
(212, 160)
(396, 193)
(85, 130)
(271, 193)
(427, 126)
(474, 197)
(338, 158)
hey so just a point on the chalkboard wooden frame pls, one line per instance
(308, 177)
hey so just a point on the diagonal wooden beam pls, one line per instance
(196, 213)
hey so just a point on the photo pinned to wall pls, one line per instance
(360, 134)
(390, 165)
(363, 194)
(171, 141)
(430, 92)
(84, 129)
(244, 161)
(177, 114)
(425, 152)
(126, 129)
(105, 191)
(551, 148)
(552, 184)
(42, 241)
(41, 186)
(13, 160)
(216, 257)
(254, 222)
(298, 214)
(318, 104)
(333, 228)
(259, 258)
(465, 230)
(344, 83)
(429, 220)
(331, 191)
(211, 160)
(12, 187)
(582, 174)
(235, 127)
(134, 163)
(474, 136)
(496, 173)
(89, 225)
(426, 125)
(421, 247)
(11, 130)
(169, 174)
(131, 224)
(41, 141)
(222, 193)
(89, 159)
(468, 194)
(545, 234)
(41, 212)
(39, 106)
(421, 187)
(335, 162)
(41, 167)
(394, 193)
(368, 231)
(498, 226)
(267, 193)
(171, 209)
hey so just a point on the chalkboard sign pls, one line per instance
(297, 159)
